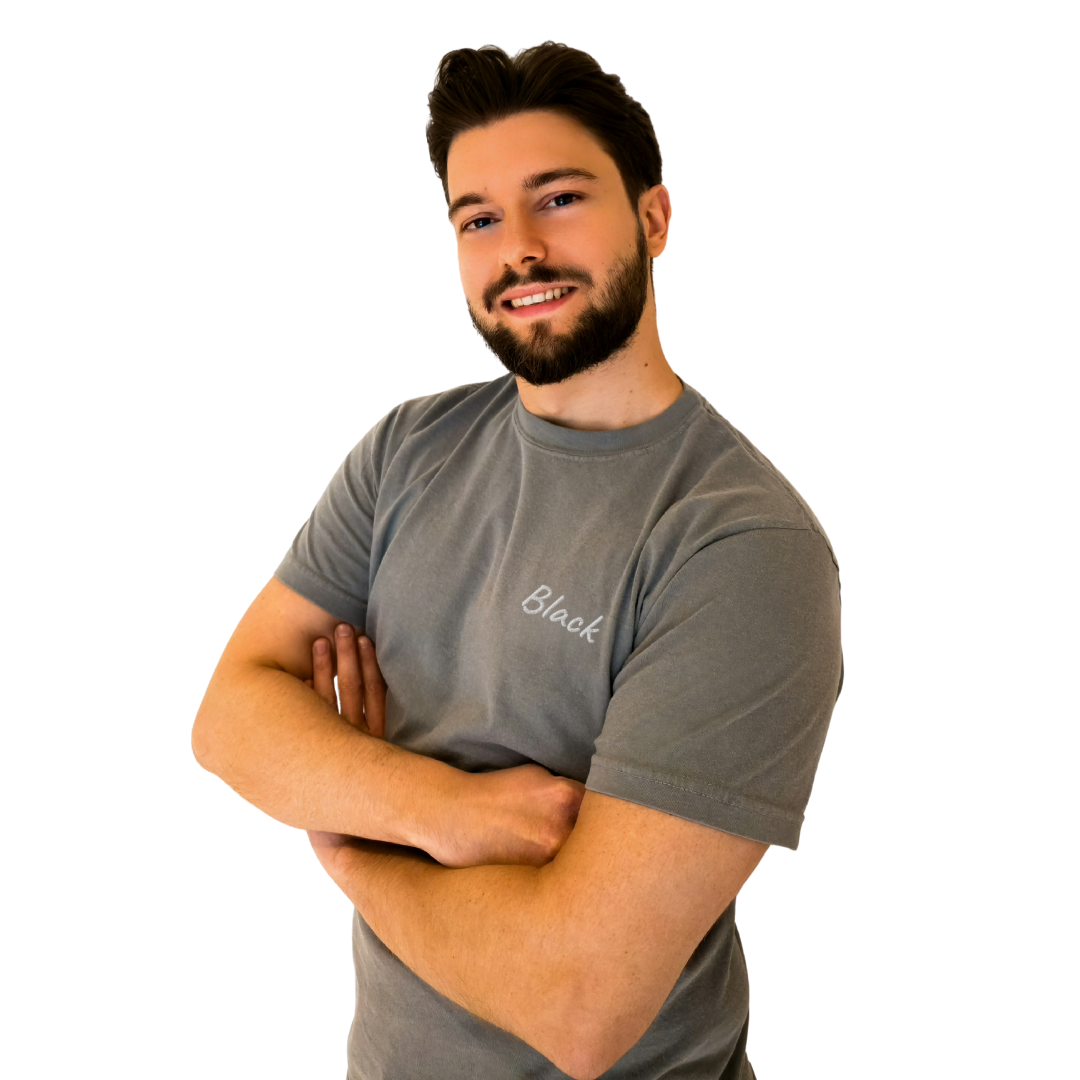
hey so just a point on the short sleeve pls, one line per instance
(720, 712)
(329, 561)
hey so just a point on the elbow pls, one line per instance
(207, 740)
(578, 1064)
(591, 1042)
(589, 1011)
(587, 1055)
(203, 743)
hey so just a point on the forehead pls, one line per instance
(505, 152)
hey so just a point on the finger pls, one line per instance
(349, 677)
(310, 683)
(322, 665)
(374, 689)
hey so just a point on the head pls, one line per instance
(552, 176)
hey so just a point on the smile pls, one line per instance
(540, 302)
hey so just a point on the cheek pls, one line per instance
(472, 277)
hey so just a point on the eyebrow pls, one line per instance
(530, 183)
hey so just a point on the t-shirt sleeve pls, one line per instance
(720, 711)
(330, 559)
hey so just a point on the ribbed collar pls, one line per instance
(570, 441)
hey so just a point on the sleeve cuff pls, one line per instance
(314, 587)
(696, 802)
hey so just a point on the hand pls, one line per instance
(362, 690)
(361, 686)
(521, 815)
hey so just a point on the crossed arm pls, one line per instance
(574, 954)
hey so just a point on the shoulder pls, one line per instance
(437, 422)
(460, 403)
(723, 491)
(731, 487)
(752, 490)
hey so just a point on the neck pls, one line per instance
(629, 388)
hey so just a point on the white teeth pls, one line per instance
(539, 298)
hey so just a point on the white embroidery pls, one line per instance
(539, 596)
(559, 616)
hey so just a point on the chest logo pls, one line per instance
(535, 605)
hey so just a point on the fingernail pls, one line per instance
(365, 642)
(344, 630)
(321, 645)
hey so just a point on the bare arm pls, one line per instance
(576, 957)
(284, 748)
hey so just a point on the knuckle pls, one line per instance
(567, 796)
(553, 841)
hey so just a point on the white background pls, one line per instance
(224, 255)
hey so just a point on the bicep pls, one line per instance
(633, 866)
(638, 890)
(275, 635)
(278, 631)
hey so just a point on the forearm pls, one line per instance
(285, 750)
(576, 957)
(490, 938)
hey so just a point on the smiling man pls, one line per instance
(607, 628)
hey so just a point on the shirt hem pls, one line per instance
(325, 594)
(718, 810)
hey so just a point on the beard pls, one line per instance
(604, 328)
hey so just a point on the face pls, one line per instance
(553, 258)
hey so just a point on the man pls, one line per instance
(608, 630)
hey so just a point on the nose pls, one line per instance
(522, 244)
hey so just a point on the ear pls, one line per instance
(654, 208)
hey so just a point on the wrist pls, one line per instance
(443, 812)
(433, 796)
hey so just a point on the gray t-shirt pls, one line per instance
(653, 611)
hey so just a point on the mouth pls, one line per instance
(541, 301)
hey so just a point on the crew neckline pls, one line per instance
(571, 440)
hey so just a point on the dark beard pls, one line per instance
(602, 329)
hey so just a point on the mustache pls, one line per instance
(538, 275)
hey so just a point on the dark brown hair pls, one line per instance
(475, 87)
